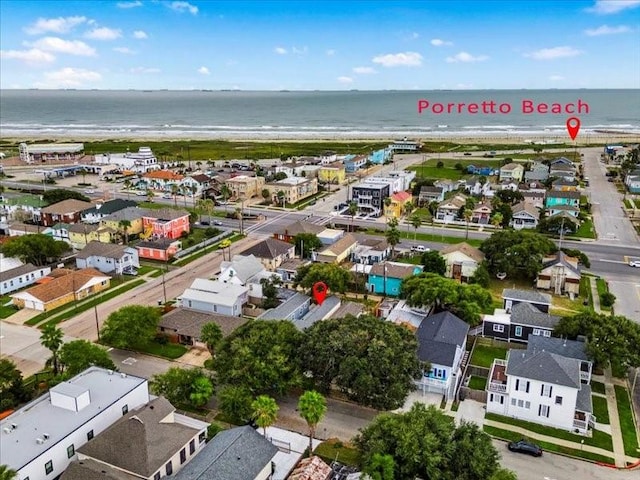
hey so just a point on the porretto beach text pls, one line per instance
(491, 107)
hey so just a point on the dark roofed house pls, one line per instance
(290, 231)
(513, 296)
(185, 326)
(442, 340)
(101, 210)
(522, 323)
(66, 211)
(239, 453)
(271, 252)
(561, 274)
(89, 469)
(162, 249)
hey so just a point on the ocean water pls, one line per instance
(311, 114)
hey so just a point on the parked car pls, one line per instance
(217, 223)
(167, 195)
(419, 248)
(130, 271)
(141, 193)
(634, 263)
(89, 191)
(522, 446)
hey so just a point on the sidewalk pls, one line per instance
(614, 419)
(594, 295)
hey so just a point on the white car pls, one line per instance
(419, 248)
(634, 263)
(89, 191)
(140, 193)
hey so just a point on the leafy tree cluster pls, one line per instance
(372, 361)
(425, 443)
(555, 225)
(12, 389)
(306, 243)
(58, 195)
(611, 339)
(466, 301)
(38, 249)
(334, 276)
(581, 256)
(433, 262)
(270, 292)
(517, 253)
(183, 385)
(130, 326)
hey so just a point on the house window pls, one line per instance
(183, 456)
(71, 451)
(192, 447)
(48, 467)
(518, 331)
(546, 333)
(125, 409)
(89, 435)
(169, 468)
(513, 402)
(520, 403)
(498, 328)
(545, 391)
(558, 400)
(536, 331)
(156, 476)
(543, 411)
(202, 437)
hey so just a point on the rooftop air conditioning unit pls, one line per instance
(39, 441)
(7, 430)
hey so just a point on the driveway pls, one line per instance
(471, 411)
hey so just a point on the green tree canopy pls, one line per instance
(211, 335)
(183, 385)
(425, 443)
(517, 253)
(270, 292)
(37, 248)
(334, 276)
(131, 325)
(265, 412)
(261, 355)
(234, 402)
(7, 473)
(312, 407)
(555, 224)
(58, 195)
(433, 262)
(12, 390)
(466, 301)
(201, 391)
(306, 243)
(78, 355)
(372, 361)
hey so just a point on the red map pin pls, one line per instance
(573, 127)
(319, 290)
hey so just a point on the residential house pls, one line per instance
(524, 215)
(162, 249)
(462, 261)
(289, 270)
(299, 310)
(149, 442)
(195, 185)
(332, 173)
(102, 210)
(66, 211)
(399, 180)
(21, 276)
(561, 274)
(40, 439)
(474, 186)
(508, 184)
(247, 271)
(378, 157)
(514, 296)
(446, 185)
(512, 171)
(561, 170)
(271, 252)
(371, 250)
(563, 185)
(538, 172)
(481, 213)
(519, 323)
(548, 384)
(24, 207)
(632, 181)
(243, 187)
(442, 340)
(561, 161)
(448, 210)
(160, 181)
(557, 198)
(66, 287)
(80, 234)
(533, 193)
(296, 228)
(165, 223)
(400, 313)
(339, 251)
(480, 170)
(385, 278)
(108, 258)
(430, 194)
(353, 163)
(212, 296)
(565, 211)
(291, 190)
(397, 206)
(17, 229)
(60, 232)
(369, 197)
(239, 453)
(184, 326)
(133, 215)
(7, 263)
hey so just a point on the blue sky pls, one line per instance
(324, 45)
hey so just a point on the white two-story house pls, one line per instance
(211, 296)
(108, 258)
(548, 383)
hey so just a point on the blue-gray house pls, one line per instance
(385, 278)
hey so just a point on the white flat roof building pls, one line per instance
(40, 439)
(50, 151)
(141, 161)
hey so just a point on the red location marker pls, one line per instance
(319, 290)
(573, 127)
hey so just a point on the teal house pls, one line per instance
(385, 278)
(562, 198)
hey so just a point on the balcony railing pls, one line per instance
(434, 382)
(497, 387)
(585, 376)
(580, 424)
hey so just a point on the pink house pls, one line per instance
(162, 250)
(165, 223)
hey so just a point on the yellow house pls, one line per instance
(397, 206)
(132, 214)
(80, 234)
(339, 251)
(333, 173)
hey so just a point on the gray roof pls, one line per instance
(164, 214)
(439, 335)
(286, 309)
(99, 249)
(160, 244)
(561, 258)
(559, 346)
(349, 308)
(109, 207)
(140, 442)
(527, 314)
(17, 271)
(583, 400)
(236, 454)
(129, 213)
(245, 266)
(296, 228)
(88, 469)
(318, 312)
(269, 248)
(189, 322)
(526, 296)
(544, 367)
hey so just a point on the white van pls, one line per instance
(419, 249)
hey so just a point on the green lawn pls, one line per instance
(586, 230)
(211, 248)
(626, 422)
(144, 269)
(334, 449)
(484, 355)
(424, 214)
(600, 409)
(477, 383)
(6, 310)
(168, 350)
(599, 439)
(585, 291)
(549, 447)
(602, 287)
(427, 237)
(597, 387)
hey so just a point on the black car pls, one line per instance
(522, 446)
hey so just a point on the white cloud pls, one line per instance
(607, 30)
(103, 33)
(140, 35)
(364, 70)
(204, 71)
(136, 3)
(71, 47)
(404, 59)
(553, 53)
(606, 7)
(556, 78)
(32, 57)
(124, 50)
(438, 42)
(345, 80)
(183, 7)
(299, 51)
(464, 57)
(330, 53)
(69, 77)
(56, 25)
(138, 70)
(280, 50)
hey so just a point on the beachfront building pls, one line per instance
(291, 190)
(379, 157)
(404, 146)
(332, 174)
(141, 161)
(512, 171)
(160, 181)
(54, 152)
(400, 180)
(369, 196)
(244, 187)
(353, 163)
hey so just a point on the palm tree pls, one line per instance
(174, 191)
(496, 220)
(150, 196)
(207, 205)
(393, 235)
(352, 209)
(416, 222)
(265, 412)
(211, 334)
(312, 407)
(125, 225)
(467, 213)
(198, 164)
(409, 207)
(51, 339)
(387, 204)
(7, 474)
(266, 194)
(225, 192)
(127, 186)
(83, 172)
